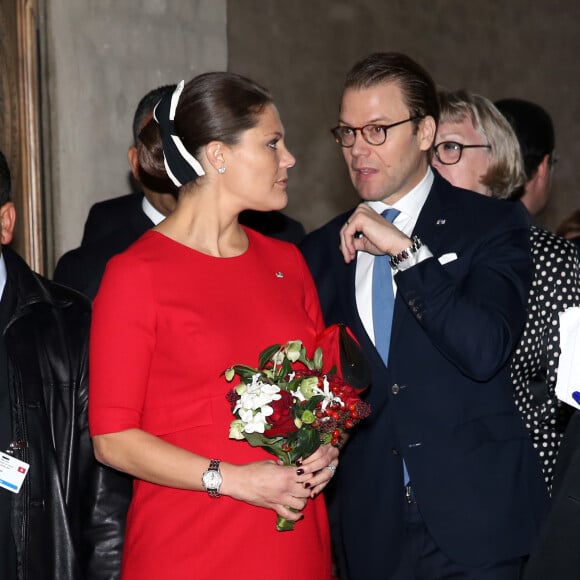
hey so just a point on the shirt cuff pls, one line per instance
(421, 254)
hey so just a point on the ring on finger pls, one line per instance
(331, 468)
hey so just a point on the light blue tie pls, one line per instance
(383, 297)
(383, 305)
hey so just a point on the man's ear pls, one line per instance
(133, 161)
(426, 133)
(544, 168)
(539, 181)
(7, 222)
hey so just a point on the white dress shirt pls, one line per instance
(410, 206)
(155, 216)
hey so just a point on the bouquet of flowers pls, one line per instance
(289, 406)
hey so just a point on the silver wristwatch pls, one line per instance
(212, 478)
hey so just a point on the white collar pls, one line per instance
(153, 214)
(412, 202)
(3, 275)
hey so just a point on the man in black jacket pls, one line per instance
(65, 521)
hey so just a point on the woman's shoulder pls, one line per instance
(139, 256)
(278, 251)
(147, 247)
(542, 238)
(268, 244)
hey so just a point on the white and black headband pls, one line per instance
(180, 164)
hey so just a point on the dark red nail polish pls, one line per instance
(299, 462)
(300, 471)
(306, 485)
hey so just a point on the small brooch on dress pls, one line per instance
(279, 275)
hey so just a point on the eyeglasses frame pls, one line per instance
(360, 130)
(461, 148)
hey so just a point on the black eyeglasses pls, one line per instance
(373, 134)
(449, 152)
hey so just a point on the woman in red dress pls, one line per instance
(190, 298)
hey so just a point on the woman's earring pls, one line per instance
(221, 170)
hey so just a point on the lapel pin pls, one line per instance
(440, 221)
(279, 275)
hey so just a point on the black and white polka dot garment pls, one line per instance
(555, 287)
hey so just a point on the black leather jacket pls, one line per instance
(68, 519)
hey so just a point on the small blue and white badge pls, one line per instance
(12, 472)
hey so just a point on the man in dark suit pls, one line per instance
(114, 224)
(441, 481)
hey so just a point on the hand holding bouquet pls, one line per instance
(289, 406)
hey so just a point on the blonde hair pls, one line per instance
(506, 169)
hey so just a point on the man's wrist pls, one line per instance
(410, 256)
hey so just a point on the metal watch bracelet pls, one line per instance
(416, 243)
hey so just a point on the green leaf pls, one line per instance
(244, 372)
(307, 442)
(260, 440)
(267, 354)
(272, 445)
(286, 368)
(318, 359)
(311, 403)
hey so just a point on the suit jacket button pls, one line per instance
(395, 389)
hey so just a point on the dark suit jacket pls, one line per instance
(557, 552)
(106, 217)
(83, 267)
(445, 404)
(114, 224)
(113, 214)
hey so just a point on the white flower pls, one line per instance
(328, 395)
(253, 406)
(253, 422)
(257, 395)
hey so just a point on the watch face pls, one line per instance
(212, 479)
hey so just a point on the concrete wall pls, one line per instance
(103, 56)
(302, 49)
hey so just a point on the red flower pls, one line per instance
(281, 421)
